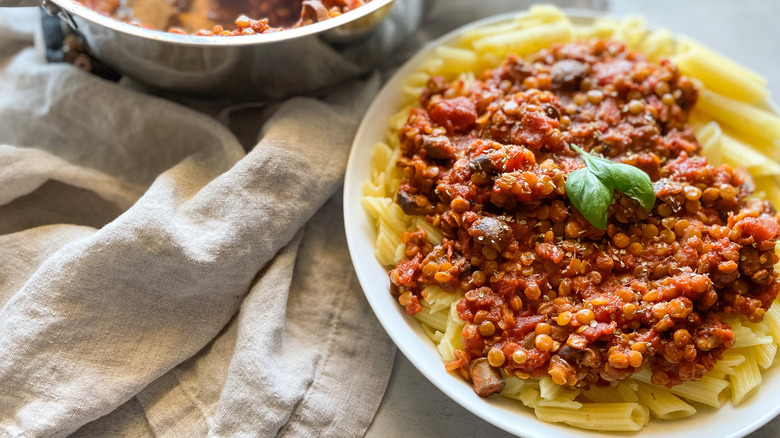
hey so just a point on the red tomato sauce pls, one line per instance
(218, 17)
(546, 293)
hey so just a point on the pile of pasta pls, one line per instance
(733, 125)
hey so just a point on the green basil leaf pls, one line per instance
(590, 196)
(635, 183)
(628, 179)
(599, 166)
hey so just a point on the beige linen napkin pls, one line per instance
(143, 253)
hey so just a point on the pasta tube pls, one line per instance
(625, 391)
(746, 379)
(436, 320)
(434, 235)
(456, 60)
(537, 15)
(709, 391)
(526, 40)
(720, 74)
(740, 116)
(439, 299)
(772, 319)
(657, 45)
(663, 404)
(548, 390)
(765, 354)
(451, 340)
(432, 334)
(598, 416)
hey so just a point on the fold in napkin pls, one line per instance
(197, 289)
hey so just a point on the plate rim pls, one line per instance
(387, 96)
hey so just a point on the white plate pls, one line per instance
(510, 415)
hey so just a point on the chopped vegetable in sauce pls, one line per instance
(546, 291)
(214, 17)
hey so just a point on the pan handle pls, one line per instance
(19, 3)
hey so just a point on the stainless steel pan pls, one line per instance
(266, 66)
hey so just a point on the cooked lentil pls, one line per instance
(584, 305)
(213, 17)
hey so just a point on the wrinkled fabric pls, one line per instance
(181, 292)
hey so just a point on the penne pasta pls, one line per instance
(772, 320)
(469, 37)
(631, 30)
(451, 340)
(602, 27)
(709, 391)
(716, 375)
(658, 44)
(564, 399)
(727, 365)
(719, 74)
(525, 41)
(768, 185)
(554, 396)
(725, 62)
(388, 213)
(397, 120)
(432, 334)
(537, 15)
(548, 390)
(383, 158)
(770, 148)
(746, 379)
(434, 235)
(612, 417)
(745, 337)
(438, 299)
(540, 15)
(529, 396)
(418, 79)
(412, 93)
(738, 154)
(436, 320)
(663, 404)
(709, 137)
(386, 246)
(765, 354)
(617, 392)
(513, 386)
(739, 116)
(376, 187)
(399, 252)
(456, 60)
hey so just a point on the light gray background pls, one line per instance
(747, 31)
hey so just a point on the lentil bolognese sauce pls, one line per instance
(546, 292)
(211, 17)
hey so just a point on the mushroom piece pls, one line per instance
(492, 232)
(438, 147)
(313, 11)
(485, 379)
(481, 163)
(410, 207)
(570, 353)
(590, 358)
(566, 74)
(551, 111)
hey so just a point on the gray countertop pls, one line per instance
(747, 31)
